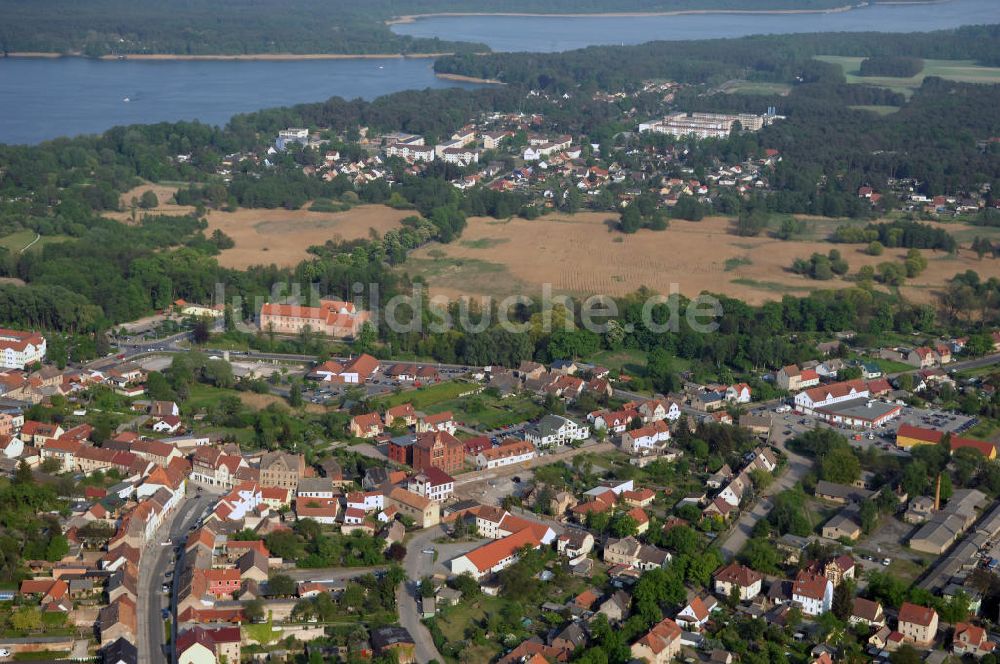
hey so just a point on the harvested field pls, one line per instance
(277, 236)
(282, 236)
(583, 254)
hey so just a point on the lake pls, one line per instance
(548, 34)
(46, 98)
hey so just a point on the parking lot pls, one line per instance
(789, 425)
(378, 385)
(930, 418)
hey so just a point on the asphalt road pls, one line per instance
(153, 567)
(415, 563)
(798, 465)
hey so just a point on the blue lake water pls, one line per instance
(42, 98)
(519, 33)
(45, 98)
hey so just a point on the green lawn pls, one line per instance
(15, 242)
(426, 397)
(983, 430)
(878, 110)
(891, 366)
(905, 569)
(965, 71)
(261, 633)
(755, 88)
(631, 360)
(201, 396)
(492, 413)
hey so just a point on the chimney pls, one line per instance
(937, 494)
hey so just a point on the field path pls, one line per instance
(29, 245)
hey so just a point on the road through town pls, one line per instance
(152, 570)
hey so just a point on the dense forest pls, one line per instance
(887, 65)
(192, 27)
(778, 58)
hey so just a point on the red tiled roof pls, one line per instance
(865, 608)
(639, 495)
(916, 614)
(488, 555)
(639, 515)
(809, 584)
(739, 574)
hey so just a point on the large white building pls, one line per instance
(812, 399)
(556, 430)
(708, 125)
(508, 453)
(291, 135)
(19, 349)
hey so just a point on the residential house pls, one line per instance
(117, 620)
(120, 651)
(638, 498)
(793, 379)
(423, 511)
(844, 525)
(575, 543)
(814, 592)
(403, 414)
(738, 393)
(19, 349)
(367, 425)
(747, 581)
(436, 422)
(866, 612)
(656, 410)
(923, 357)
(696, 613)
(972, 640)
(918, 624)
(646, 439)
(314, 487)
(320, 510)
(631, 552)
(433, 483)
(616, 606)
(660, 645)
(394, 639)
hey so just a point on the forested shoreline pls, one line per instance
(199, 27)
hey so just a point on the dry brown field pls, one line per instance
(278, 236)
(262, 401)
(583, 254)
